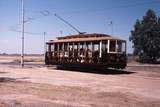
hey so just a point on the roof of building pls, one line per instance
(84, 37)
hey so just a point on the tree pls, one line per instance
(146, 37)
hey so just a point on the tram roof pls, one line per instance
(83, 38)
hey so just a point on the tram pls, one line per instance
(90, 50)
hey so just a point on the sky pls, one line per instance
(91, 16)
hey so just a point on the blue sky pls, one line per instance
(91, 16)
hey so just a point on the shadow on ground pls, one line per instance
(1, 72)
(8, 79)
(95, 70)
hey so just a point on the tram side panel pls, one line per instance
(113, 60)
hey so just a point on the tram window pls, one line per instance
(65, 47)
(47, 47)
(119, 46)
(123, 46)
(70, 47)
(52, 47)
(112, 46)
(55, 47)
(81, 49)
(96, 47)
(60, 46)
(104, 46)
(80, 46)
(75, 46)
(89, 46)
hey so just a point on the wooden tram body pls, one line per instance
(91, 50)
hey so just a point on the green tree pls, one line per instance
(146, 37)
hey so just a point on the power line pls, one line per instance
(32, 33)
(48, 12)
(68, 24)
(45, 13)
(109, 8)
(28, 19)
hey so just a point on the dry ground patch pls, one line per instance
(39, 86)
(25, 94)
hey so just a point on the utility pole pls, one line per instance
(44, 34)
(22, 54)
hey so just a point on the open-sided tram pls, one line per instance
(91, 50)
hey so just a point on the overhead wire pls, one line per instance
(109, 8)
(45, 13)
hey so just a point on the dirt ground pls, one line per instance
(36, 85)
